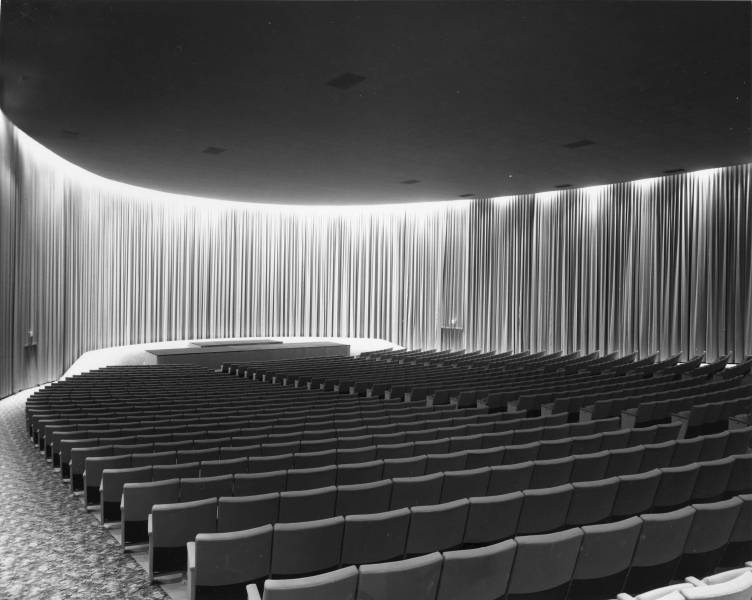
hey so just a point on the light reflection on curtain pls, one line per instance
(641, 266)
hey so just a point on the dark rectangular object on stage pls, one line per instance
(213, 357)
(234, 342)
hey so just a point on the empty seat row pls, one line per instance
(582, 563)
(447, 513)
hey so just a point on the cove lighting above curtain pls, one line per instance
(659, 265)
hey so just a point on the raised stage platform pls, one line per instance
(234, 342)
(216, 355)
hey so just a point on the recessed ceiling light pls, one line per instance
(410, 181)
(672, 171)
(213, 150)
(579, 144)
(70, 133)
(346, 81)
(562, 186)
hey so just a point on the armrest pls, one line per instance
(624, 596)
(191, 551)
(694, 581)
(148, 526)
(253, 592)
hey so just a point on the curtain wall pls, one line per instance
(659, 265)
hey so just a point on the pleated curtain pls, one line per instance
(652, 266)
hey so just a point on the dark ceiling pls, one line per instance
(250, 100)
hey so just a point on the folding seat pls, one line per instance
(711, 531)
(77, 462)
(333, 585)
(636, 493)
(604, 559)
(420, 435)
(363, 472)
(712, 479)
(739, 547)
(311, 460)
(452, 461)
(659, 549)
(439, 446)
(404, 467)
(585, 444)
(487, 457)
(686, 451)
(307, 548)
(436, 527)
(389, 439)
(118, 449)
(497, 439)
(317, 446)
(466, 442)
(510, 478)
(111, 489)
(416, 491)
(522, 453)
(588, 467)
(222, 564)
(375, 537)
(558, 448)
(154, 458)
(308, 479)
(363, 498)
(493, 518)
(740, 480)
(657, 456)
(266, 464)
(235, 513)
(550, 473)
(544, 565)
(280, 448)
(642, 435)
(307, 505)
(199, 488)
(616, 440)
(402, 450)
(714, 446)
(160, 472)
(609, 425)
(738, 441)
(174, 446)
(347, 456)
(477, 573)
(210, 468)
(136, 504)
(407, 579)
(624, 461)
(592, 501)
(467, 399)
(248, 484)
(465, 483)
(92, 475)
(676, 487)
(544, 510)
(207, 443)
(171, 527)
(244, 451)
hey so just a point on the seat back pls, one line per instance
(337, 585)
(378, 537)
(235, 513)
(308, 547)
(401, 580)
(478, 573)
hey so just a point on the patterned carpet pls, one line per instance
(50, 547)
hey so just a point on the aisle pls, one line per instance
(50, 547)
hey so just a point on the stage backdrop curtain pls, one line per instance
(660, 265)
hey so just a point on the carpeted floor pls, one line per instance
(50, 547)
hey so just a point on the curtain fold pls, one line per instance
(660, 265)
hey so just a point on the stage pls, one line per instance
(141, 354)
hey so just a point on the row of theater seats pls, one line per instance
(422, 514)
(445, 453)
(138, 498)
(582, 563)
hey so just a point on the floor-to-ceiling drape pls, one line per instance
(658, 265)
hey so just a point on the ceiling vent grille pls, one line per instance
(467, 195)
(563, 186)
(410, 181)
(579, 144)
(673, 171)
(346, 81)
(213, 150)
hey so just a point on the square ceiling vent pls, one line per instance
(579, 144)
(214, 150)
(410, 181)
(346, 81)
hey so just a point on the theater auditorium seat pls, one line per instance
(407, 579)
(478, 573)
